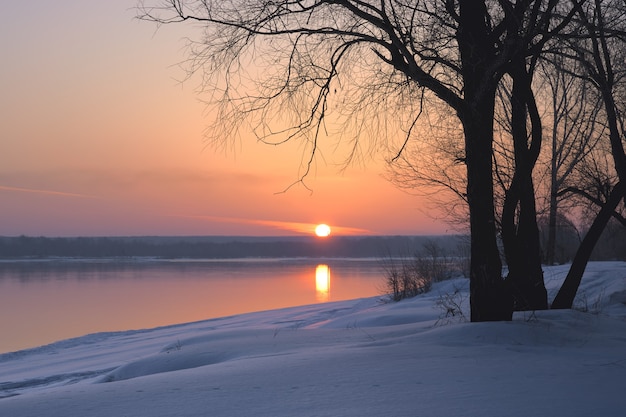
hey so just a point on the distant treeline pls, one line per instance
(217, 247)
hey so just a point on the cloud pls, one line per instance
(45, 192)
(298, 227)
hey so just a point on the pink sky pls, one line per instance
(98, 138)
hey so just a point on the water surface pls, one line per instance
(45, 301)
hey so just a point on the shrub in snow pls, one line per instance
(410, 276)
(403, 279)
(451, 306)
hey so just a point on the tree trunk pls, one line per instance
(526, 279)
(567, 292)
(489, 297)
(522, 248)
(520, 236)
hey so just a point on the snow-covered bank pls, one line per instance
(349, 358)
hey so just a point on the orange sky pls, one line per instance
(98, 138)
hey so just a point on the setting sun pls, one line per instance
(322, 230)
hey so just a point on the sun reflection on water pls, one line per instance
(322, 282)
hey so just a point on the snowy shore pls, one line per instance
(350, 358)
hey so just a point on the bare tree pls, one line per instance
(601, 52)
(293, 69)
(573, 129)
(597, 38)
(520, 233)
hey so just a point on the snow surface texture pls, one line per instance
(350, 358)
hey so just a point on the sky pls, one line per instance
(98, 137)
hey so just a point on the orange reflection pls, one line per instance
(322, 282)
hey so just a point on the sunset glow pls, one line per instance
(118, 147)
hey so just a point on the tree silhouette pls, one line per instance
(288, 70)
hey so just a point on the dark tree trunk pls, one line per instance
(522, 248)
(525, 273)
(489, 298)
(520, 233)
(567, 292)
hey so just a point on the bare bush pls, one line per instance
(409, 276)
(584, 304)
(403, 278)
(434, 263)
(463, 250)
(451, 306)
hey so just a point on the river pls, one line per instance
(43, 301)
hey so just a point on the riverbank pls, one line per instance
(348, 358)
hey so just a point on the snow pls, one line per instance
(349, 358)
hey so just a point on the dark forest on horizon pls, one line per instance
(221, 247)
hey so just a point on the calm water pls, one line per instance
(45, 301)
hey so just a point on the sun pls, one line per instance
(322, 230)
